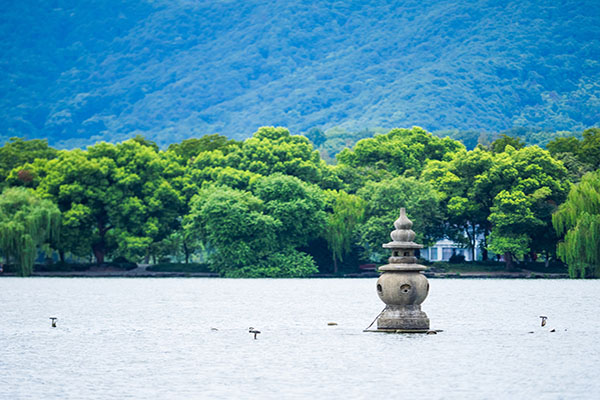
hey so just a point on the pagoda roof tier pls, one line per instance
(402, 245)
(402, 267)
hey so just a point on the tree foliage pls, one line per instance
(18, 152)
(190, 148)
(248, 230)
(400, 151)
(269, 151)
(266, 206)
(579, 156)
(347, 212)
(26, 222)
(578, 219)
(530, 184)
(589, 151)
(298, 206)
(465, 194)
(499, 145)
(513, 220)
(232, 222)
(564, 145)
(113, 198)
(480, 188)
(383, 202)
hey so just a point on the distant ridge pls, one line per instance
(76, 72)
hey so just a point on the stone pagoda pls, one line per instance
(402, 286)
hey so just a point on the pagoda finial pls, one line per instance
(403, 233)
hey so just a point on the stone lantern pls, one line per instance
(402, 286)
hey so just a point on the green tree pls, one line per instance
(19, 152)
(26, 222)
(400, 151)
(589, 151)
(82, 188)
(563, 145)
(113, 198)
(499, 145)
(383, 203)
(575, 167)
(354, 178)
(151, 206)
(182, 242)
(513, 221)
(347, 212)
(227, 176)
(585, 151)
(145, 142)
(471, 182)
(274, 150)
(205, 164)
(297, 205)
(578, 219)
(540, 183)
(269, 151)
(233, 224)
(290, 263)
(258, 233)
(190, 148)
(464, 196)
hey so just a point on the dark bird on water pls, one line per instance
(543, 320)
(252, 330)
(53, 319)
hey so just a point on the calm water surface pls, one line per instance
(152, 338)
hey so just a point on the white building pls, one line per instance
(443, 249)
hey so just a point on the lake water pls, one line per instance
(152, 338)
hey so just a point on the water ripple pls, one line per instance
(153, 338)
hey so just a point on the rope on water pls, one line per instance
(371, 324)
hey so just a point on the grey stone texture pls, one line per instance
(402, 286)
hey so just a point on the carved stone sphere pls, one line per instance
(402, 288)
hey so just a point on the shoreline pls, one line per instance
(142, 272)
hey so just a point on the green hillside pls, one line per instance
(76, 72)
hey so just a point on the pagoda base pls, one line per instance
(400, 331)
(407, 318)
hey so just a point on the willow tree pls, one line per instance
(26, 222)
(347, 213)
(579, 220)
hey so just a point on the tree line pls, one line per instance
(270, 206)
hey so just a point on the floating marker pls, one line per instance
(53, 319)
(252, 330)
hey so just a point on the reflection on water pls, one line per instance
(152, 338)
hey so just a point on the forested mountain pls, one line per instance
(75, 72)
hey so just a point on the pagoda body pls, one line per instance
(402, 286)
